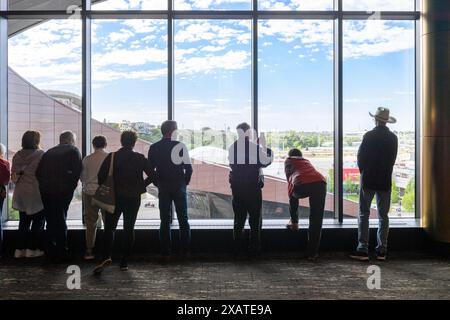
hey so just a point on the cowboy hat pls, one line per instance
(382, 114)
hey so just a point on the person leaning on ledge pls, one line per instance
(304, 181)
(376, 159)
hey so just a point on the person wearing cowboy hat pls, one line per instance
(376, 159)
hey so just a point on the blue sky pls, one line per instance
(213, 68)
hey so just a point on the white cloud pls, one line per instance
(130, 57)
(121, 36)
(213, 48)
(232, 60)
(375, 38)
(131, 4)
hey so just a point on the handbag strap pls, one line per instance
(111, 165)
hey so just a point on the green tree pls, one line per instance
(409, 196)
(348, 186)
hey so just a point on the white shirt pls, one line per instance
(91, 166)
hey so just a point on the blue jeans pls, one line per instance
(383, 205)
(167, 195)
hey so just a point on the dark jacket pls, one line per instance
(128, 173)
(376, 158)
(246, 165)
(166, 171)
(59, 170)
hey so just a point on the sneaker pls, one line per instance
(34, 253)
(360, 256)
(381, 256)
(89, 255)
(123, 265)
(18, 254)
(292, 226)
(99, 269)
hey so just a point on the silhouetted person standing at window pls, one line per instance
(170, 161)
(58, 173)
(5, 174)
(376, 159)
(246, 160)
(27, 197)
(129, 184)
(304, 181)
(89, 178)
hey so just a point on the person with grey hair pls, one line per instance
(58, 173)
(5, 173)
(169, 160)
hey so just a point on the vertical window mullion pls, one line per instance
(170, 62)
(418, 99)
(4, 89)
(86, 78)
(255, 66)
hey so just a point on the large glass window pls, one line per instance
(44, 86)
(129, 86)
(213, 87)
(296, 104)
(212, 95)
(379, 71)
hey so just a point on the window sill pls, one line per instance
(272, 224)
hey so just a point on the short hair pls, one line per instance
(128, 138)
(2, 150)
(31, 140)
(67, 137)
(295, 153)
(244, 126)
(99, 142)
(168, 126)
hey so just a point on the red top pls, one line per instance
(300, 171)
(5, 172)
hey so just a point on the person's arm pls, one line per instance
(148, 170)
(104, 170)
(83, 176)
(288, 168)
(362, 154)
(152, 163)
(39, 169)
(187, 166)
(265, 156)
(5, 174)
(394, 150)
(76, 165)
